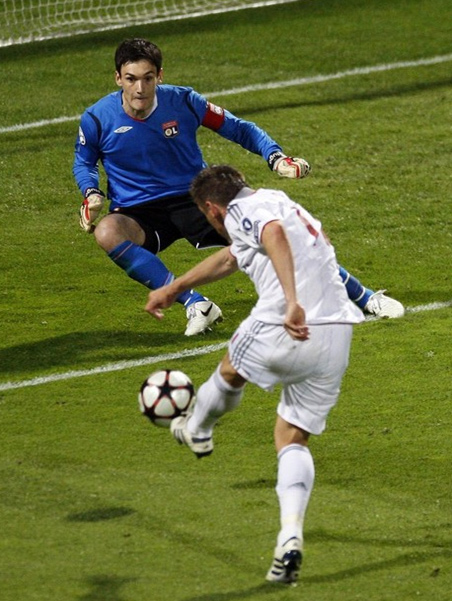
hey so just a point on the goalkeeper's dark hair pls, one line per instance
(218, 183)
(137, 49)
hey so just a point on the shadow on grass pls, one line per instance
(255, 484)
(267, 587)
(319, 536)
(100, 514)
(410, 552)
(432, 550)
(105, 588)
(389, 92)
(407, 559)
(85, 349)
(248, 593)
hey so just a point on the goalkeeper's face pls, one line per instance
(138, 82)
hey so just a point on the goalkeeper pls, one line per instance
(144, 135)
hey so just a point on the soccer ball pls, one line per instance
(164, 395)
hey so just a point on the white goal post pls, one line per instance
(33, 20)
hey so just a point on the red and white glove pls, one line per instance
(288, 166)
(91, 207)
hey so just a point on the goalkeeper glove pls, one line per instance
(288, 166)
(90, 209)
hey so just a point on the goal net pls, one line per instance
(32, 20)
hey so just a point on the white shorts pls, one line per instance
(310, 371)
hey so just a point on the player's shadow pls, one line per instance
(85, 349)
(405, 559)
(434, 550)
(100, 514)
(105, 588)
(248, 593)
(254, 484)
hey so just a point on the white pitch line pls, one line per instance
(34, 124)
(109, 367)
(302, 81)
(429, 307)
(418, 309)
(196, 352)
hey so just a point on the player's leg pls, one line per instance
(375, 303)
(224, 389)
(123, 239)
(310, 391)
(355, 290)
(221, 393)
(251, 350)
(294, 485)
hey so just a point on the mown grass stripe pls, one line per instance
(423, 62)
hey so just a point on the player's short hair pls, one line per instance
(137, 49)
(218, 183)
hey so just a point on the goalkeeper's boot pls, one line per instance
(201, 447)
(286, 562)
(381, 305)
(200, 316)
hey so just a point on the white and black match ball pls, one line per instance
(164, 395)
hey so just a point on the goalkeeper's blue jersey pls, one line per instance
(157, 157)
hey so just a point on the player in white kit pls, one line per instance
(298, 334)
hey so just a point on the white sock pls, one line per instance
(294, 486)
(213, 399)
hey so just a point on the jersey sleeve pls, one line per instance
(85, 167)
(246, 133)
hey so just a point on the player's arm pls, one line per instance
(255, 139)
(86, 172)
(213, 268)
(277, 248)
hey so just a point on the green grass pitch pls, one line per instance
(96, 504)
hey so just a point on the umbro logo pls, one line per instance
(123, 129)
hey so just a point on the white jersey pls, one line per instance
(319, 287)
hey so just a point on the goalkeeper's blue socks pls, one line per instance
(145, 267)
(355, 290)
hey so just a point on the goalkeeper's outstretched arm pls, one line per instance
(253, 138)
